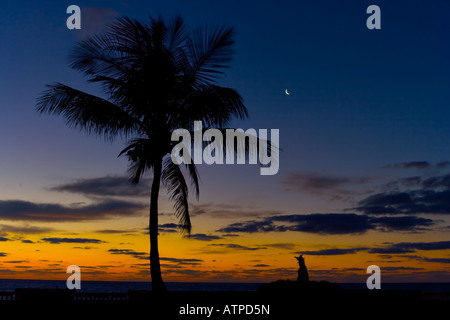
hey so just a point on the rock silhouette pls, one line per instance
(307, 290)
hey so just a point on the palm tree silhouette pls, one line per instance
(157, 76)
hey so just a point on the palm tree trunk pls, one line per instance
(155, 267)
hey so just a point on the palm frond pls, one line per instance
(132, 36)
(173, 180)
(142, 155)
(99, 55)
(212, 104)
(177, 34)
(86, 112)
(209, 51)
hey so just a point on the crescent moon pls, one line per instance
(287, 92)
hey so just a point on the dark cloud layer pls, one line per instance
(108, 186)
(402, 223)
(182, 261)
(333, 252)
(25, 229)
(411, 164)
(203, 237)
(18, 210)
(430, 196)
(168, 228)
(131, 252)
(408, 247)
(328, 223)
(388, 249)
(145, 256)
(420, 165)
(229, 211)
(71, 240)
(237, 246)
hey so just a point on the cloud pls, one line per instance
(4, 239)
(265, 225)
(388, 249)
(16, 261)
(328, 223)
(425, 259)
(331, 223)
(409, 247)
(420, 165)
(167, 228)
(425, 201)
(71, 240)
(3, 254)
(182, 261)
(436, 182)
(113, 231)
(333, 252)
(285, 246)
(109, 186)
(443, 164)
(438, 260)
(396, 269)
(134, 254)
(25, 229)
(236, 246)
(19, 210)
(403, 223)
(203, 237)
(229, 211)
(411, 195)
(325, 184)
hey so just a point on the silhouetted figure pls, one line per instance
(302, 270)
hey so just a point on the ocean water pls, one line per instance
(9, 285)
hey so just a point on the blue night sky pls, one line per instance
(367, 110)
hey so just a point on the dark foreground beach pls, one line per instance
(264, 304)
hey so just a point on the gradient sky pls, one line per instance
(364, 173)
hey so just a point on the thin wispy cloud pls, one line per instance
(229, 211)
(237, 246)
(203, 237)
(24, 229)
(332, 186)
(418, 165)
(71, 240)
(108, 186)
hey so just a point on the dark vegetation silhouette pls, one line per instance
(157, 76)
